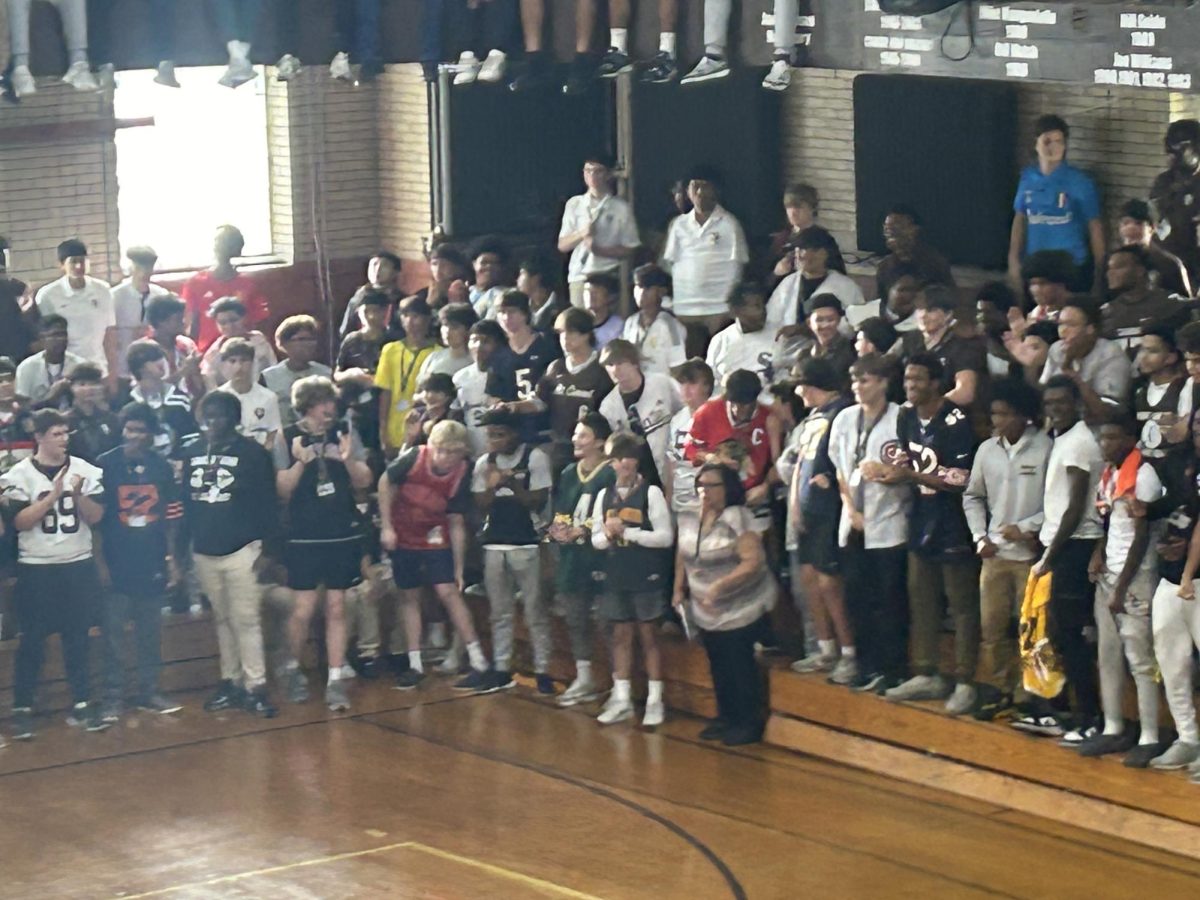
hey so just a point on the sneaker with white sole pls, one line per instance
(466, 70)
(22, 724)
(79, 76)
(962, 701)
(615, 710)
(287, 68)
(237, 73)
(845, 672)
(451, 664)
(779, 77)
(22, 81)
(340, 67)
(166, 74)
(1077, 737)
(1179, 755)
(297, 686)
(919, 687)
(709, 68)
(1042, 726)
(335, 696)
(655, 714)
(492, 69)
(817, 662)
(581, 690)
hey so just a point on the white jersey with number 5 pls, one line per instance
(62, 536)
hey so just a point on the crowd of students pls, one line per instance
(931, 460)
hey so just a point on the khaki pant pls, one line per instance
(236, 597)
(958, 581)
(1001, 593)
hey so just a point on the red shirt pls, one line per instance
(424, 500)
(713, 424)
(204, 288)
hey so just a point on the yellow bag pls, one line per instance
(1041, 669)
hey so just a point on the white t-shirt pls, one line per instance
(784, 306)
(1147, 488)
(884, 506)
(615, 227)
(1076, 449)
(683, 485)
(659, 402)
(443, 361)
(129, 307)
(732, 349)
(63, 536)
(88, 311)
(35, 377)
(705, 261)
(260, 413)
(473, 401)
(661, 345)
(210, 363)
(485, 301)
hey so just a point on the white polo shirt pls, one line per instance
(260, 413)
(35, 376)
(705, 261)
(661, 344)
(615, 227)
(129, 308)
(1075, 449)
(88, 311)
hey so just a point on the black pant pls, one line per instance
(877, 601)
(738, 682)
(142, 603)
(495, 25)
(162, 35)
(1071, 610)
(53, 599)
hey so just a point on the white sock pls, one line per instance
(414, 661)
(335, 673)
(848, 652)
(654, 692)
(621, 689)
(666, 43)
(828, 648)
(583, 670)
(239, 51)
(475, 653)
(619, 39)
(1113, 726)
(292, 665)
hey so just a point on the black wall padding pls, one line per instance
(516, 158)
(731, 124)
(947, 148)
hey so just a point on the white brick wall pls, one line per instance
(404, 175)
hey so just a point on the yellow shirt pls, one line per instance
(397, 373)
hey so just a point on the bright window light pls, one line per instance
(202, 164)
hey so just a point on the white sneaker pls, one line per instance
(166, 74)
(845, 671)
(818, 662)
(467, 69)
(492, 69)
(655, 713)
(436, 636)
(1179, 755)
(779, 77)
(615, 711)
(237, 73)
(961, 701)
(581, 690)
(22, 81)
(919, 687)
(706, 70)
(340, 67)
(287, 68)
(79, 76)
(449, 665)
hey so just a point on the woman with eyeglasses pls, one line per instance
(721, 572)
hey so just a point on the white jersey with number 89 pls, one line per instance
(62, 536)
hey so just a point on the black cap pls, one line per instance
(817, 372)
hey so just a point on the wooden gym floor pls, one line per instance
(428, 794)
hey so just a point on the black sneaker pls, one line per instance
(227, 696)
(87, 716)
(867, 682)
(408, 680)
(991, 704)
(1104, 744)
(532, 74)
(580, 76)
(714, 730)
(111, 711)
(367, 667)
(22, 725)
(1139, 757)
(545, 684)
(740, 735)
(475, 682)
(613, 63)
(661, 69)
(259, 704)
(502, 680)
(157, 703)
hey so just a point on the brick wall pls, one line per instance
(60, 184)
(1116, 135)
(404, 175)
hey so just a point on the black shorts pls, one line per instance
(335, 564)
(418, 568)
(818, 547)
